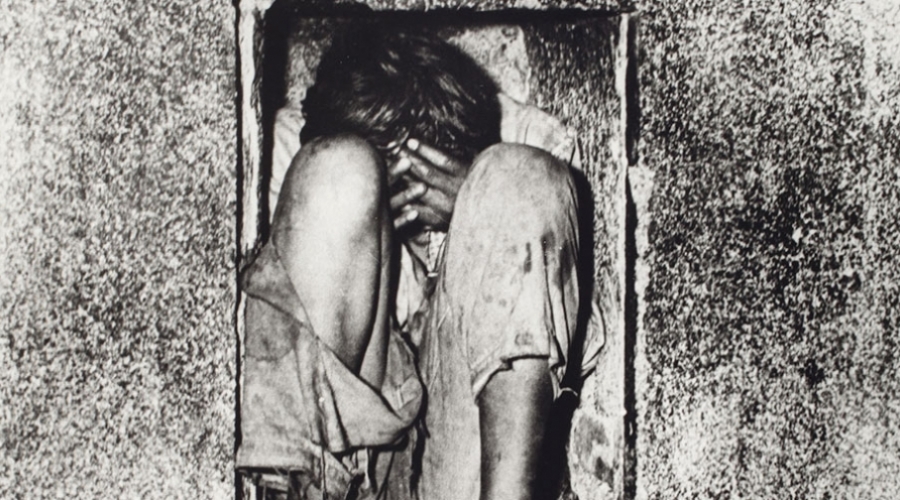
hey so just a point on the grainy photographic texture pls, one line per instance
(761, 282)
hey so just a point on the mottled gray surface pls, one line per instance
(774, 248)
(117, 210)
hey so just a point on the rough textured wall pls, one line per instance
(487, 5)
(773, 294)
(117, 210)
(472, 5)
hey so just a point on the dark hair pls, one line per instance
(385, 84)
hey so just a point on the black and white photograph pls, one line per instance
(449, 249)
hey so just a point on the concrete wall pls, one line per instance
(767, 196)
(117, 210)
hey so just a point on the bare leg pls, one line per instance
(513, 408)
(332, 232)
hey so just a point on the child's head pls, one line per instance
(386, 84)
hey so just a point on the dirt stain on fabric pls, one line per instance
(524, 339)
(527, 265)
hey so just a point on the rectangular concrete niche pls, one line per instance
(571, 65)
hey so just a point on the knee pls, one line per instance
(515, 180)
(344, 173)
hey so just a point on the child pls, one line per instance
(419, 274)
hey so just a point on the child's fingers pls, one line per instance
(405, 218)
(435, 157)
(411, 193)
(434, 177)
(397, 170)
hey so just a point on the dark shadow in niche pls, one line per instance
(279, 26)
(554, 463)
(632, 95)
(631, 429)
(632, 137)
(272, 89)
(236, 310)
